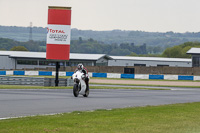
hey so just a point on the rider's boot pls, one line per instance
(87, 85)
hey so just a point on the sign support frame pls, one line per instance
(58, 36)
(57, 74)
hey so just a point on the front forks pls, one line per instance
(79, 87)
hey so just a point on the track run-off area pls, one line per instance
(147, 82)
(30, 102)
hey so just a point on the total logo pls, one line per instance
(54, 31)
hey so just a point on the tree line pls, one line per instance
(10, 44)
(180, 51)
(95, 47)
(77, 46)
(92, 46)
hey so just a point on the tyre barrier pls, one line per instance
(34, 81)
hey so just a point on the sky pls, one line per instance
(142, 15)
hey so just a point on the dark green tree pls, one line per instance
(2, 49)
(180, 50)
(18, 48)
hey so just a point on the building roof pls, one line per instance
(150, 58)
(80, 56)
(194, 51)
(42, 55)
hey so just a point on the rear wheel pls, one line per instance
(75, 90)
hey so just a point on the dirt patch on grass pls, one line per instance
(143, 82)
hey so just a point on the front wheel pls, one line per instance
(75, 90)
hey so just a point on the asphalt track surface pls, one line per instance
(21, 102)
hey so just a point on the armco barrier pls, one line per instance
(196, 78)
(105, 75)
(9, 73)
(170, 77)
(69, 73)
(156, 76)
(141, 76)
(2, 72)
(101, 75)
(129, 76)
(19, 72)
(60, 73)
(185, 77)
(45, 73)
(113, 75)
(32, 73)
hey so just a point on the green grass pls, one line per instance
(31, 87)
(176, 118)
(70, 87)
(109, 87)
(38, 76)
(146, 85)
(146, 79)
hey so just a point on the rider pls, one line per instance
(81, 68)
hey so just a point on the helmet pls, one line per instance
(80, 66)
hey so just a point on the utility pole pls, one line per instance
(30, 32)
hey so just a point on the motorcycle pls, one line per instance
(79, 84)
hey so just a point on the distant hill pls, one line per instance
(22, 33)
(163, 40)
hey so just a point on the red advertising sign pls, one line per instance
(58, 33)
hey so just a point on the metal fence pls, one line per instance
(62, 82)
(34, 81)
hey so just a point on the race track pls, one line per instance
(20, 102)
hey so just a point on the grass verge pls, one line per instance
(176, 118)
(70, 87)
(146, 85)
(146, 79)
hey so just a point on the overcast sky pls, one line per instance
(143, 15)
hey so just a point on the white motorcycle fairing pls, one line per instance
(79, 75)
(83, 87)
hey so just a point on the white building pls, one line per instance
(195, 52)
(20, 60)
(149, 61)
